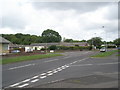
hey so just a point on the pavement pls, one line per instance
(73, 70)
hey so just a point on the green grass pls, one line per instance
(26, 58)
(105, 54)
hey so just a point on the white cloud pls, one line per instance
(70, 23)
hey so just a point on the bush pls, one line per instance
(43, 49)
(73, 48)
(53, 47)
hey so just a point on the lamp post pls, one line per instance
(93, 46)
(106, 39)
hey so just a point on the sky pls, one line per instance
(72, 20)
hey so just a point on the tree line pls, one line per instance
(51, 36)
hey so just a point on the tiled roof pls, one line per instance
(3, 40)
(62, 43)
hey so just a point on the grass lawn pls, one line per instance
(105, 54)
(26, 58)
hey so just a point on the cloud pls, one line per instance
(80, 6)
(72, 20)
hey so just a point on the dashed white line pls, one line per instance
(52, 60)
(49, 71)
(23, 85)
(26, 80)
(34, 77)
(43, 74)
(21, 66)
(43, 77)
(55, 71)
(50, 74)
(35, 80)
(14, 84)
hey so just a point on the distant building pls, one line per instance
(4, 46)
(60, 44)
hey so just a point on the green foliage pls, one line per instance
(68, 40)
(74, 48)
(53, 47)
(50, 36)
(117, 42)
(71, 40)
(96, 41)
(23, 39)
(105, 54)
(26, 58)
(111, 46)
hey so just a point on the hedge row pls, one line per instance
(53, 47)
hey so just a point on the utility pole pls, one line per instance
(106, 39)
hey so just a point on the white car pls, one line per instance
(103, 49)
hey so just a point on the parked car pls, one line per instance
(15, 51)
(103, 49)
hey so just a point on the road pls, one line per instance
(73, 65)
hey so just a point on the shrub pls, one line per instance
(53, 47)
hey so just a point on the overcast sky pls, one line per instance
(76, 20)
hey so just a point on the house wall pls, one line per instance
(0, 48)
(4, 48)
(38, 47)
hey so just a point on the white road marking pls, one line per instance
(66, 57)
(97, 64)
(14, 84)
(34, 77)
(59, 69)
(55, 71)
(49, 71)
(43, 74)
(26, 80)
(21, 66)
(52, 60)
(43, 77)
(23, 85)
(83, 65)
(108, 63)
(35, 80)
(50, 74)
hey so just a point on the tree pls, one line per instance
(50, 36)
(53, 47)
(96, 41)
(117, 42)
(68, 40)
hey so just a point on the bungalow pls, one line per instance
(21, 48)
(42, 45)
(4, 46)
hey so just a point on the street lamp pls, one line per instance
(106, 40)
(93, 42)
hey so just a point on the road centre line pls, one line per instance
(97, 64)
(43, 77)
(35, 80)
(21, 66)
(35, 77)
(52, 60)
(14, 84)
(26, 80)
(43, 74)
(23, 85)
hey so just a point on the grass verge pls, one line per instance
(26, 58)
(105, 54)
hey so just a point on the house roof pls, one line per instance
(3, 40)
(62, 43)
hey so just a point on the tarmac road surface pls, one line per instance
(74, 68)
